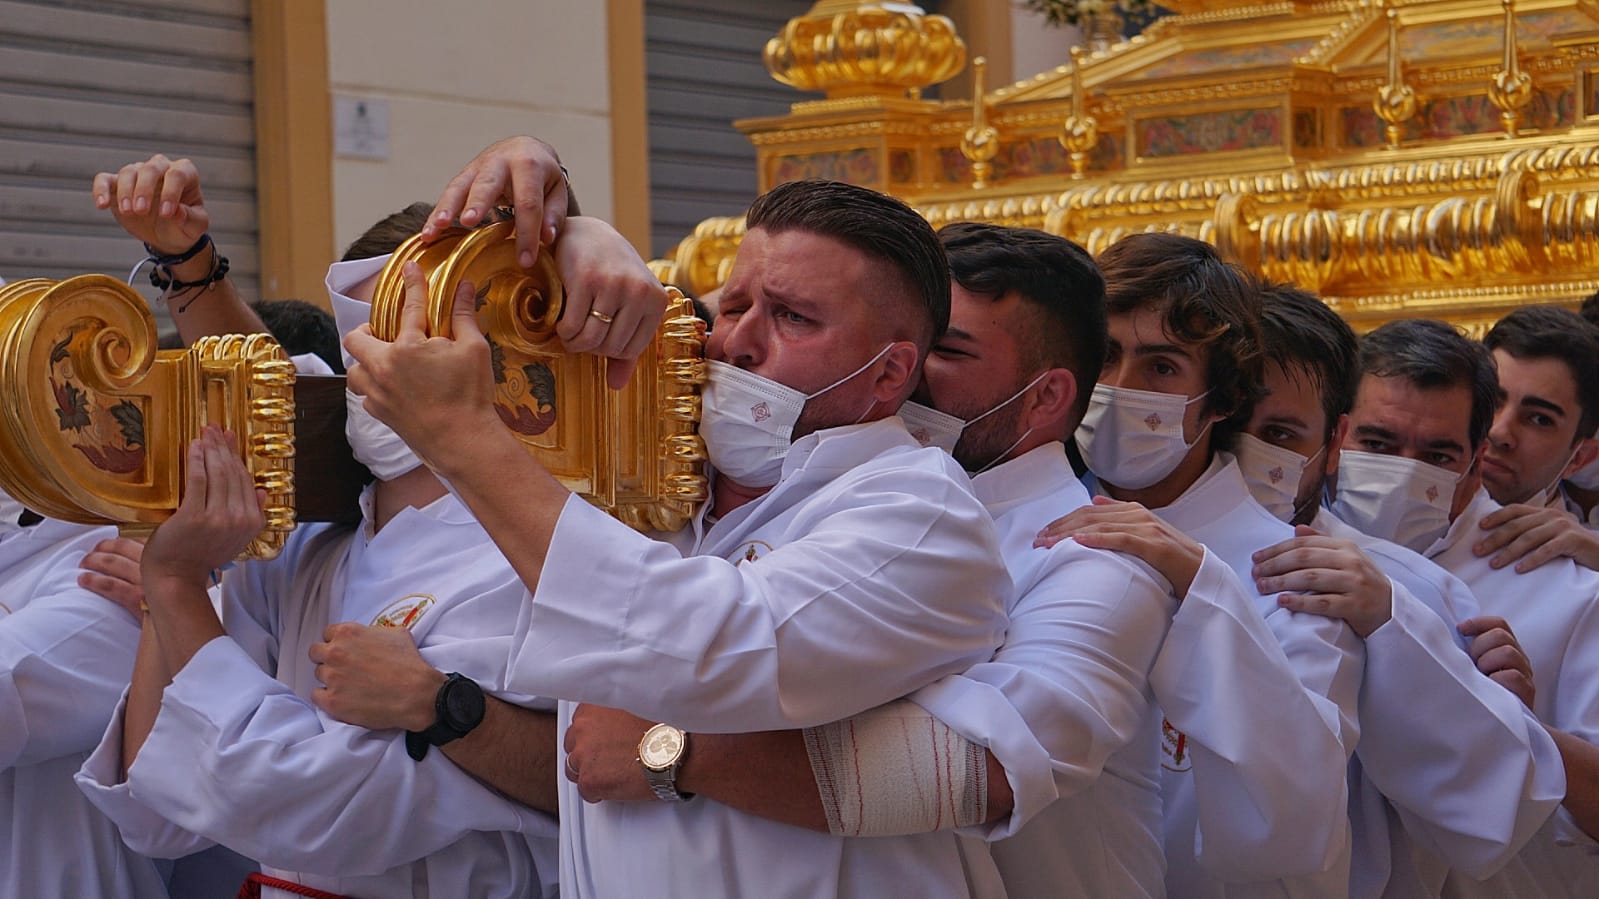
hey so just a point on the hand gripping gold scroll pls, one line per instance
(96, 419)
(634, 452)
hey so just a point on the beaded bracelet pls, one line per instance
(171, 288)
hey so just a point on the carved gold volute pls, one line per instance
(632, 452)
(96, 419)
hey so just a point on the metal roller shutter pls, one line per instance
(89, 86)
(703, 68)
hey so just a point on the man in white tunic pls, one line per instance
(1410, 473)
(1547, 359)
(1063, 713)
(1259, 701)
(218, 740)
(1450, 764)
(839, 565)
(65, 658)
(1581, 487)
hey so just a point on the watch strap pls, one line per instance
(442, 730)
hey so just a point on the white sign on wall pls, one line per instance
(360, 127)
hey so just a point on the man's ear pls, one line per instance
(1050, 402)
(902, 370)
(1587, 451)
(1335, 444)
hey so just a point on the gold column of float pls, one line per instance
(1080, 132)
(1511, 89)
(1395, 103)
(980, 143)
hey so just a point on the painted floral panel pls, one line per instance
(1211, 132)
(1445, 117)
(853, 166)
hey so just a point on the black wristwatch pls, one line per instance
(458, 708)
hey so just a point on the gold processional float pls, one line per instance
(1424, 158)
(97, 419)
(1429, 158)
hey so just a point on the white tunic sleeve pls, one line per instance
(1070, 685)
(237, 757)
(1469, 770)
(1268, 710)
(143, 830)
(862, 606)
(1576, 712)
(65, 657)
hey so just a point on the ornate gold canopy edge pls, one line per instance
(97, 419)
(1424, 157)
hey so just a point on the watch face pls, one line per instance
(463, 704)
(662, 746)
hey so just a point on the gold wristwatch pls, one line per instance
(661, 754)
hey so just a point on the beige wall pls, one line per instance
(460, 76)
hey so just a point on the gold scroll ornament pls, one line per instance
(632, 452)
(97, 420)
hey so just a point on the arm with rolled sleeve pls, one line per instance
(1475, 779)
(1268, 707)
(1070, 687)
(910, 569)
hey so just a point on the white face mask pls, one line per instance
(1394, 498)
(931, 427)
(747, 421)
(1273, 474)
(375, 444)
(1586, 477)
(1133, 438)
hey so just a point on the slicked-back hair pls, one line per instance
(1550, 332)
(1306, 338)
(1431, 355)
(302, 328)
(1206, 301)
(878, 225)
(387, 233)
(1055, 278)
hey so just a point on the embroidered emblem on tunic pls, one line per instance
(1276, 474)
(404, 612)
(760, 412)
(750, 551)
(1174, 746)
(1153, 420)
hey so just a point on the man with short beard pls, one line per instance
(838, 565)
(1452, 771)
(1239, 671)
(1409, 472)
